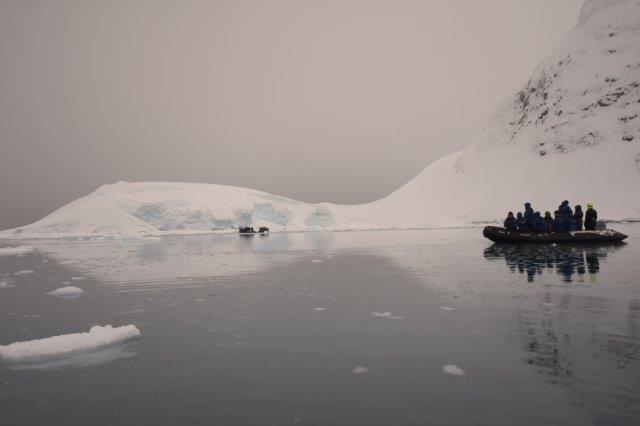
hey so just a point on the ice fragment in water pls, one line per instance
(360, 370)
(387, 315)
(453, 369)
(10, 251)
(67, 292)
(24, 272)
(317, 261)
(446, 308)
(67, 344)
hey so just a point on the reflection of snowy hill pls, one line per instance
(572, 132)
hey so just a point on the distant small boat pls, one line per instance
(502, 235)
(248, 230)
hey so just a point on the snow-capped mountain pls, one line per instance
(572, 132)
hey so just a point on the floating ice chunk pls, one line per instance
(360, 370)
(24, 272)
(447, 308)
(66, 262)
(387, 315)
(319, 309)
(11, 251)
(5, 283)
(67, 292)
(547, 304)
(67, 345)
(453, 369)
(77, 278)
(317, 261)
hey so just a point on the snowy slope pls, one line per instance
(572, 132)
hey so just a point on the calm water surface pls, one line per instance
(268, 330)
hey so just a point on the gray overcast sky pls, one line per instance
(323, 100)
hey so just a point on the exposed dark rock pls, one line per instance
(627, 118)
(627, 138)
(543, 113)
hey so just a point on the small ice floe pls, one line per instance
(68, 292)
(447, 308)
(360, 370)
(453, 369)
(386, 315)
(317, 261)
(45, 261)
(67, 345)
(13, 251)
(200, 300)
(24, 272)
(547, 304)
(77, 278)
(319, 308)
(66, 262)
(5, 283)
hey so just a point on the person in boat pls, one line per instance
(540, 224)
(529, 216)
(510, 222)
(590, 218)
(577, 217)
(558, 222)
(567, 216)
(521, 224)
(548, 220)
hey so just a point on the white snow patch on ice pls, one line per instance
(67, 344)
(453, 369)
(68, 292)
(24, 272)
(10, 251)
(360, 370)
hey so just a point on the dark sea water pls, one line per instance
(272, 331)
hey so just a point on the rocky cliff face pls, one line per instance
(587, 91)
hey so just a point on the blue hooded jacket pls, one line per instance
(529, 216)
(558, 223)
(540, 224)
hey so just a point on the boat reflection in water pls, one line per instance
(566, 260)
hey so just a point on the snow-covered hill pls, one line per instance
(572, 132)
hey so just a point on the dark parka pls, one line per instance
(510, 223)
(590, 219)
(577, 216)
